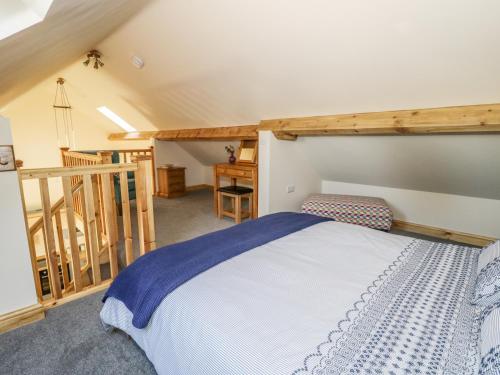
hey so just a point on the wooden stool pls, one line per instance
(235, 194)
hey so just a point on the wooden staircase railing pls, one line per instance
(78, 158)
(78, 270)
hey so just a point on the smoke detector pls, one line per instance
(137, 62)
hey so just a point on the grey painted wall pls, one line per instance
(466, 165)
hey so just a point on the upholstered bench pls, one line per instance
(367, 211)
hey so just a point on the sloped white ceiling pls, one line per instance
(70, 28)
(18, 15)
(229, 62)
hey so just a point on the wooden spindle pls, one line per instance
(92, 228)
(70, 218)
(50, 244)
(141, 204)
(153, 169)
(86, 234)
(99, 211)
(144, 207)
(127, 226)
(62, 251)
(110, 229)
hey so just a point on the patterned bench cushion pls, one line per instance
(367, 211)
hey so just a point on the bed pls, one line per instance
(322, 298)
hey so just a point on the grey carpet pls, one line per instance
(178, 220)
(71, 339)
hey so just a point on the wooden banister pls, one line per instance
(78, 158)
(95, 188)
(27, 174)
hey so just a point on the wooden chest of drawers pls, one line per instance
(171, 182)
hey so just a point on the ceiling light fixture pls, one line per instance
(116, 119)
(95, 56)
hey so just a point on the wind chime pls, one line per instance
(63, 118)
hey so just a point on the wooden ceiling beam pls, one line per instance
(132, 136)
(206, 134)
(462, 119)
(484, 118)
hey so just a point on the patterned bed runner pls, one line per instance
(416, 318)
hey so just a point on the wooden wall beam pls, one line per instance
(206, 134)
(462, 119)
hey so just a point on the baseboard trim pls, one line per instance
(21, 317)
(446, 234)
(199, 187)
(75, 296)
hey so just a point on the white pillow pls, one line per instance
(488, 275)
(490, 340)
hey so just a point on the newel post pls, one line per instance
(106, 157)
(63, 150)
(144, 198)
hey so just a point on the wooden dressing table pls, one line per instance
(245, 169)
(235, 172)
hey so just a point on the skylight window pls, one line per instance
(17, 15)
(116, 119)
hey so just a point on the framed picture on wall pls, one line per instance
(7, 160)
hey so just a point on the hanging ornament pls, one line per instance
(63, 117)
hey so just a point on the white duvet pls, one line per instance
(264, 311)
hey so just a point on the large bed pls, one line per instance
(327, 298)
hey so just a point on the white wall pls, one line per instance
(283, 164)
(16, 277)
(209, 152)
(465, 214)
(197, 156)
(456, 164)
(33, 128)
(167, 152)
(309, 164)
